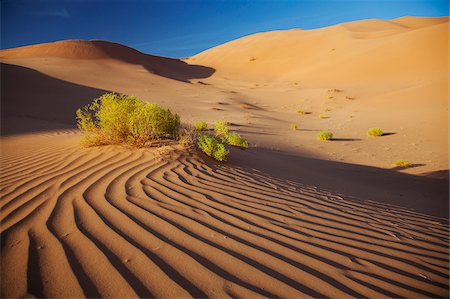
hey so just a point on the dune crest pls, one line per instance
(75, 49)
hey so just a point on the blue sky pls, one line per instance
(178, 28)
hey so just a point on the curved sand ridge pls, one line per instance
(76, 49)
(115, 222)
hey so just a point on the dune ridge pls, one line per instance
(164, 223)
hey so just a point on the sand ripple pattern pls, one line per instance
(114, 222)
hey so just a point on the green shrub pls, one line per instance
(374, 132)
(293, 127)
(237, 140)
(301, 111)
(402, 163)
(324, 135)
(212, 147)
(117, 118)
(201, 126)
(221, 129)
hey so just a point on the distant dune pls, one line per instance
(103, 50)
(364, 51)
(290, 217)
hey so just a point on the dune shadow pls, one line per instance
(32, 101)
(423, 194)
(171, 68)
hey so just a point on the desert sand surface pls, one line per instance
(290, 217)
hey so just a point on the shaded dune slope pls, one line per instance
(27, 93)
(112, 222)
(92, 50)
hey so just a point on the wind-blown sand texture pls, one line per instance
(291, 217)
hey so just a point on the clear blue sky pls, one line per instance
(183, 28)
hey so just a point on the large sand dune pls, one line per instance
(290, 217)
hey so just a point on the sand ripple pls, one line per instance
(112, 222)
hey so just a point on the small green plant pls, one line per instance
(301, 111)
(374, 132)
(324, 135)
(293, 127)
(237, 140)
(212, 147)
(221, 129)
(117, 118)
(322, 116)
(402, 163)
(201, 125)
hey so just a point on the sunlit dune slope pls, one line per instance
(361, 51)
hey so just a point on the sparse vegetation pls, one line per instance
(402, 163)
(375, 132)
(293, 127)
(212, 147)
(117, 118)
(200, 125)
(324, 135)
(301, 111)
(235, 139)
(216, 146)
(221, 129)
(322, 116)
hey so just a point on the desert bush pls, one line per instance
(324, 135)
(374, 132)
(293, 126)
(402, 163)
(237, 140)
(301, 111)
(212, 147)
(117, 118)
(221, 129)
(201, 126)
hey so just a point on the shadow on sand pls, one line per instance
(424, 194)
(32, 101)
(171, 68)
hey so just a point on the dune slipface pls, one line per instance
(294, 222)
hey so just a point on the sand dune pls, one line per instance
(103, 50)
(290, 217)
(366, 51)
(115, 222)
